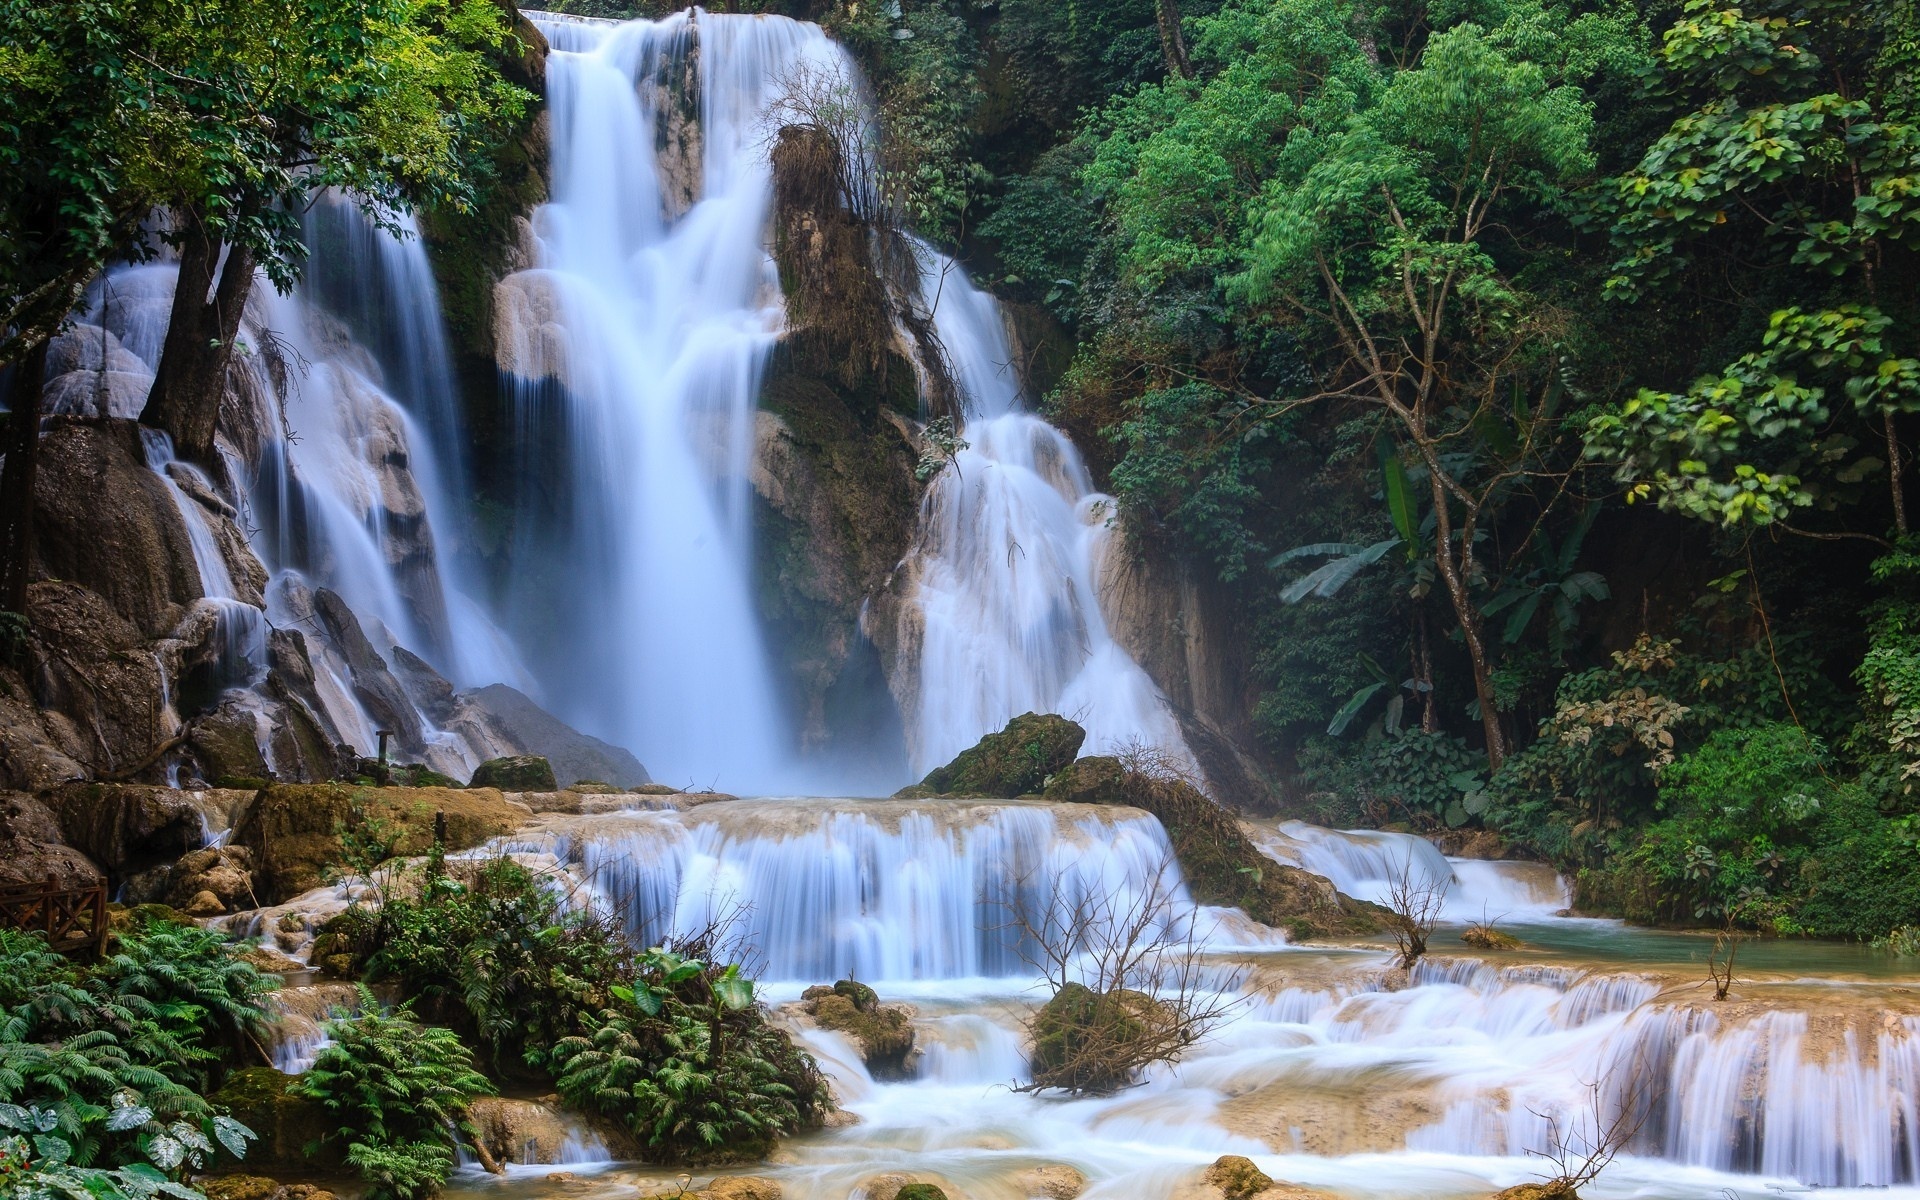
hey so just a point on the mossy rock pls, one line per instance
(1084, 1040)
(287, 1123)
(1220, 864)
(1017, 761)
(124, 920)
(1237, 1177)
(293, 829)
(1486, 937)
(920, 1191)
(516, 773)
(884, 1033)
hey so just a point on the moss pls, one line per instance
(1083, 1040)
(293, 830)
(1486, 937)
(884, 1033)
(290, 1126)
(920, 1191)
(1017, 761)
(1237, 1177)
(516, 773)
(1219, 863)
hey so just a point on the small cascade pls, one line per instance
(1005, 613)
(1365, 863)
(877, 891)
(240, 631)
(298, 1033)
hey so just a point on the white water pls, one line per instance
(652, 334)
(1007, 565)
(1365, 863)
(1443, 1087)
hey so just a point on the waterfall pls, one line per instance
(1365, 863)
(1005, 610)
(642, 330)
(824, 890)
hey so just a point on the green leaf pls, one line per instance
(1401, 508)
(1351, 708)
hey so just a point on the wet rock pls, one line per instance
(523, 1131)
(258, 1187)
(30, 759)
(99, 681)
(1552, 1189)
(1087, 1041)
(1055, 1181)
(531, 729)
(226, 742)
(516, 773)
(741, 1187)
(130, 827)
(893, 1186)
(1017, 761)
(293, 830)
(305, 740)
(32, 848)
(104, 522)
(1237, 1177)
(883, 1032)
(384, 700)
(1220, 864)
(223, 873)
(1486, 937)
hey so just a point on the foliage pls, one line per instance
(398, 1091)
(37, 1163)
(687, 1062)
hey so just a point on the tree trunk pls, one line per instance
(1896, 476)
(192, 377)
(1173, 43)
(22, 448)
(1467, 613)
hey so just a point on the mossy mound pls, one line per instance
(1088, 1041)
(1220, 864)
(1237, 1177)
(259, 1187)
(294, 830)
(288, 1123)
(884, 1032)
(516, 773)
(1486, 937)
(920, 1191)
(1017, 761)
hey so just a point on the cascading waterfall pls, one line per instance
(1365, 863)
(646, 321)
(1005, 613)
(881, 891)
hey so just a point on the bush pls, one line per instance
(398, 1091)
(687, 1062)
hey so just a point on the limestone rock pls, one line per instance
(574, 755)
(30, 759)
(129, 827)
(1552, 1189)
(287, 1123)
(516, 773)
(521, 1131)
(212, 881)
(895, 1186)
(1055, 1181)
(31, 848)
(1486, 937)
(104, 522)
(293, 833)
(96, 677)
(883, 1032)
(1017, 761)
(741, 1187)
(257, 1187)
(1237, 1177)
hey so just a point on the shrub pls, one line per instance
(399, 1091)
(687, 1062)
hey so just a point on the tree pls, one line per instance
(1391, 249)
(391, 101)
(1791, 172)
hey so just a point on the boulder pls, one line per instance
(104, 522)
(1017, 761)
(98, 678)
(293, 830)
(515, 773)
(741, 1187)
(883, 1032)
(1486, 937)
(533, 1132)
(223, 873)
(1551, 1189)
(32, 849)
(1086, 1041)
(1237, 1177)
(258, 1187)
(573, 755)
(1054, 1181)
(895, 1186)
(1220, 863)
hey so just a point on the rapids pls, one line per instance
(1331, 1071)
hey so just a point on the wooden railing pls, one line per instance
(72, 918)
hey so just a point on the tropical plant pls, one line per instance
(398, 1092)
(37, 1163)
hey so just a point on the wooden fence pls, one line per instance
(72, 918)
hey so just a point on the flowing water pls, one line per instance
(639, 327)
